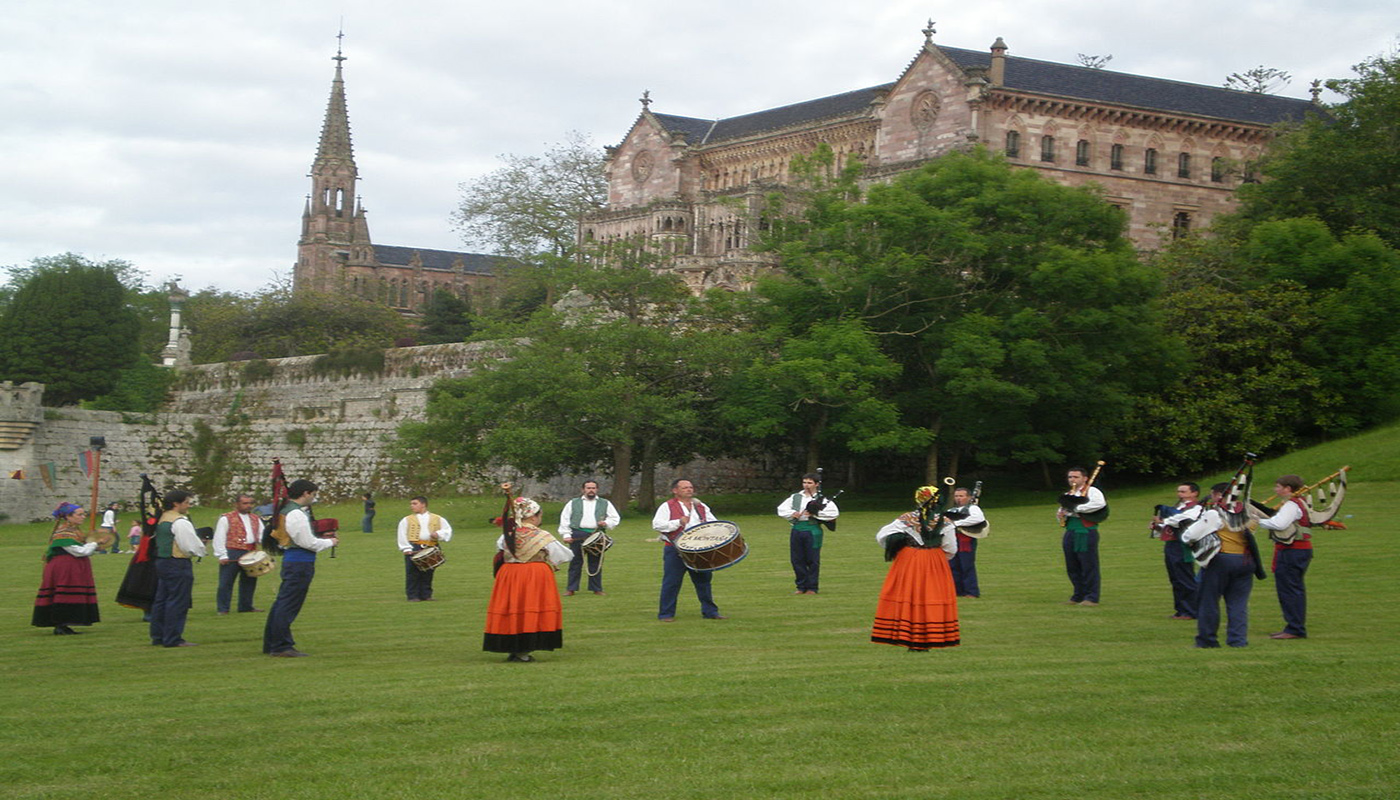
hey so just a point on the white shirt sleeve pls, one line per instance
(403, 536)
(566, 531)
(299, 529)
(661, 521)
(558, 552)
(897, 526)
(1208, 522)
(1182, 517)
(1289, 514)
(221, 538)
(974, 516)
(444, 533)
(80, 550)
(186, 537)
(611, 518)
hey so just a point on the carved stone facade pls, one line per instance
(335, 253)
(1170, 154)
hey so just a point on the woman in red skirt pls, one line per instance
(67, 596)
(918, 606)
(525, 613)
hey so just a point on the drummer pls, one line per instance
(238, 533)
(581, 518)
(674, 516)
(419, 530)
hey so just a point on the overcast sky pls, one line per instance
(177, 135)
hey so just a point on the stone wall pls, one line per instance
(226, 422)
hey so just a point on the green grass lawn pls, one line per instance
(786, 698)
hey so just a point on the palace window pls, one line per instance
(1047, 148)
(1183, 165)
(1013, 144)
(1149, 162)
(1181, 224)
(1081, 153)
(1217, 170)
(1115, 157)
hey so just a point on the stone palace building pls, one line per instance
(1168, 153)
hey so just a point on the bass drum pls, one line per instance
(711, 545)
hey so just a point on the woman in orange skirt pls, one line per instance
(525, 613)
(918, 606)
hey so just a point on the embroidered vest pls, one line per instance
(239, 538)
(416, 534)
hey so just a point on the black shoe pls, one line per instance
(523, 658)
(64, 630)
(292, 653)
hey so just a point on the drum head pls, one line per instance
(254, 557)
(707, 536)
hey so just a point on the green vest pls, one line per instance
(798, 502)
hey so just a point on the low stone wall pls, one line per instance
(221, 431)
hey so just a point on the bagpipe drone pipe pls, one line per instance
(138, 587)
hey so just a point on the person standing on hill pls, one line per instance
(806, 511)
(1181, 566)
(1081, 510)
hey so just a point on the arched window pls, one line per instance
(1217, 170)
(1149, 162)
(1047, 148)
(1013, 144)
(1183, 165)
(1081, 153)
(1115, 157)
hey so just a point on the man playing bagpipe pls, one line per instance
(295, 530)
(1229, 558)
(176, 542)
(965, 524)
(1167, 524)
(807, 511)
(1081, 510)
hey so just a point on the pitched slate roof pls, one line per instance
(1024, 74)
(1121, 88)
(474, 263)
(700, 131)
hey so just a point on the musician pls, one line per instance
(298, 569)
(525, 613)
(1081, 539)
(581, 518)
(963, 514)
(1181, 566)
(917, 607)
(237, 533)
(67, 594)
(675, 515)
(807, 510)
(1227, 574)
(419, 530)
(176, 543)
(1291, 560)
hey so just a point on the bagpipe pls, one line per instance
(819, 501)
(927, 521)
(138, 587)
(980, 529)
(507, 522)
(1322, 500)
(275, 539)
(1231, 511)
(1071, 501)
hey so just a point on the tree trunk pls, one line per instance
(954, 460)
(646, 489)
(814, 448)
(931, 458)
(622, 473)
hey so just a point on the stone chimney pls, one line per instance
(997, 74)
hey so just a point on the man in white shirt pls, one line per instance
(1079, 512)
(806, 513)
(675, 515)
(176, 542)
(967, 515)
(237, 533)
(298, 569)
(582, 517)
(419, 530)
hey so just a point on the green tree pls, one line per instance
(277, 322)
(533, 203)
(69, 325)
(607, 379)
(1341, 167)
(448, 318)
(1015, 307)
(1259, 80)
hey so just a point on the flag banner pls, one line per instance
(46, 471)
(86, 460)
(17, 475)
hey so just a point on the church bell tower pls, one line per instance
(334, 231)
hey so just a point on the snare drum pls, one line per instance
(255, 563)
(428, 559)
(596, 544)
(711, 545)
